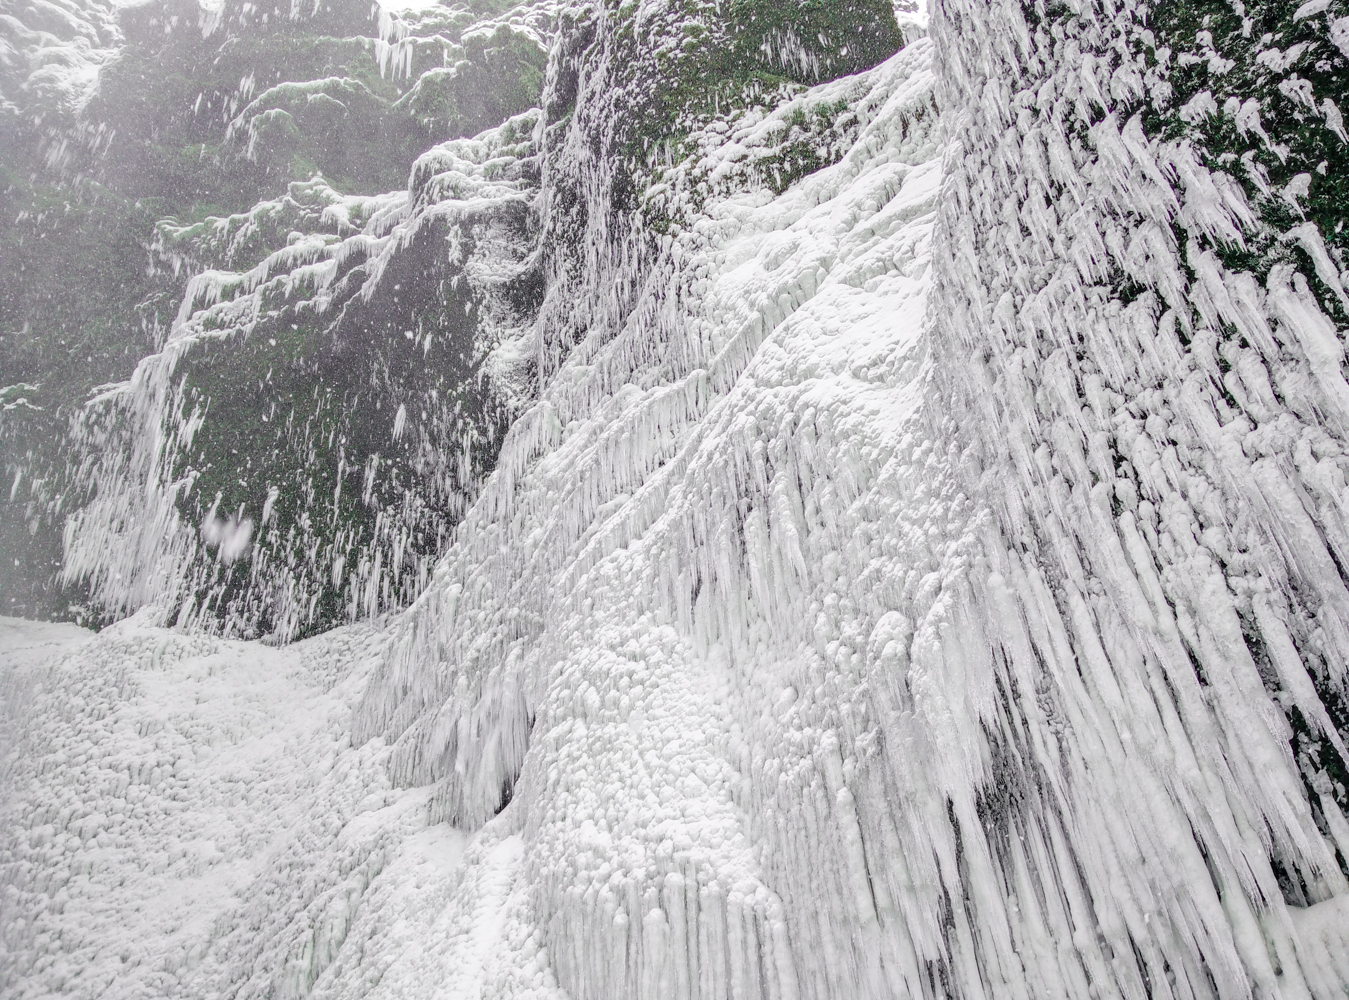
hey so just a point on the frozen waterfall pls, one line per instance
(912, 563)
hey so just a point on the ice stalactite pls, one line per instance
(1161, 587)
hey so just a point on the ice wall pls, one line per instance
(645, 613)
(1164, 477)
(991, 653)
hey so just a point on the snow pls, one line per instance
(193, 817)
(25, 644)
(187, 805)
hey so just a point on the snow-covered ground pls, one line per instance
(188, 817)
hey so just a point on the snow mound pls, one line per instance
(188, 817)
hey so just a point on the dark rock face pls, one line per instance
(331, 408)
(338, 366)
(216, 109)
(111, 196)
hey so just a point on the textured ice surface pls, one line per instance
(872, 604)
(189, 817)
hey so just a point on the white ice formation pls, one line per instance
(872, 603)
